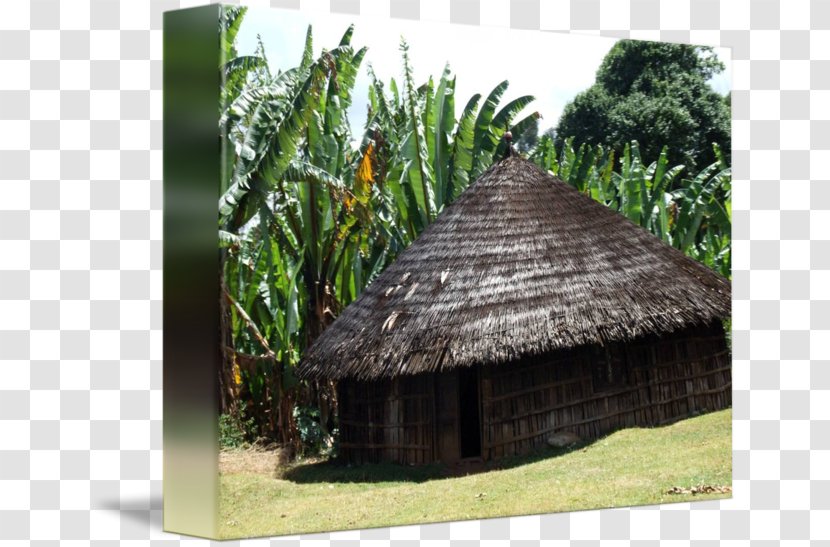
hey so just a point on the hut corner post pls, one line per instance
(191, 347)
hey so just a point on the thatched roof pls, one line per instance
(520, 264)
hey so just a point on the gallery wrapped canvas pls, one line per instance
(421, 300)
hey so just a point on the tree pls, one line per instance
(656, 94)
(527, 140)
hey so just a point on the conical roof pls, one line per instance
(520, 264)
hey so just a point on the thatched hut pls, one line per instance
(526, 309)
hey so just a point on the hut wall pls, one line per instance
(590, 391)
(596, 390)
(388, 420)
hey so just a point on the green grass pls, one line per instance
(629, 467)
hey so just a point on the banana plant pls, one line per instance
(643, 189)
(260, 283)
(702, 224)
(439, 124)
(267, 124)
(490, 126)
(234, 69)
(283, 194)
(418, 175)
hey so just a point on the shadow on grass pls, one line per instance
(333, 471)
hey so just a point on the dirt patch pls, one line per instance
(700, 489)
(259, 461)
(466, 467)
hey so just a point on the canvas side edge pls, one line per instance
(191, 170)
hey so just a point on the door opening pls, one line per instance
(470, 420)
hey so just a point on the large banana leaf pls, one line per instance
(235, 75)
(517, 130)
(492, 138)
(630, 182)
(483, 127)
(308, 51)
(461, 161)
(443, 115)
(271, 143)
(661, 178)
(417, 178)
(230, 21)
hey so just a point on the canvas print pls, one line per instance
(467, 273)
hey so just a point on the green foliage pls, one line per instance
(655, 93)
(309, 215)
(312, 436)
(638, 66)
(528, 139)
(234, 70)
(235, 431)
(425, 156)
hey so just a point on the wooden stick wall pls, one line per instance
(590, 391)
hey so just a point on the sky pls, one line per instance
(553, 67)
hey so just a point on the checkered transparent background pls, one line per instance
(80, 268)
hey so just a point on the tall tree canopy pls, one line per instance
(656, 94)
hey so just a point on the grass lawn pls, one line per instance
(629, 467)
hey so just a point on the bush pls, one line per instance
(234, 431)
(315, 441)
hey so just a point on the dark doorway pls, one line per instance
(470, 426)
